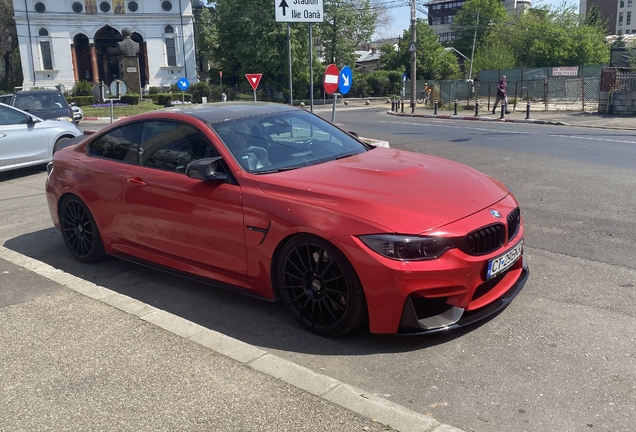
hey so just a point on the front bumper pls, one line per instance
(451, 318)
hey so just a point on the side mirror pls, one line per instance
(206, 170)
(31, 120)
(73, 104)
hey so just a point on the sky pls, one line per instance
(402, 15)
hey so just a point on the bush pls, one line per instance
(81, 100)
(164, 99)
(130, 99)
(154, 90)
(82, 88)
(200, 90)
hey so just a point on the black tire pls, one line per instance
(80, 231)
(58, 143)
(320, 286)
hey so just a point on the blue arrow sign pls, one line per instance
(183, 84)
(404, 77)
(345, 81)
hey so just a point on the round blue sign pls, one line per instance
(345, 81)
(183, 84)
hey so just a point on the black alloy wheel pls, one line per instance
(80, 231)
(320, 286)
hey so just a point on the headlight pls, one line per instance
(49, 169)
(407, 248)
(68, 119)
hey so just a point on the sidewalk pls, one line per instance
(537, 116)
(83, 357)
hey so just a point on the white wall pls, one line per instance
(63, 24)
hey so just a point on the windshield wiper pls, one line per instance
(275, 170)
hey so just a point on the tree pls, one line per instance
(433, 61)
(491, 12)
(556, 37)
(206, 32)
(11, 69)
(251, 41)
(347, 24)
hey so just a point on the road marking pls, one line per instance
(553, 135)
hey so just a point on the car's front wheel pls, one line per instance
(80, 231)
(320, 286)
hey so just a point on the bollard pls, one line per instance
(455, 110)
(503, 110)
(476, 107)
(393, 104)
(528, 109)
(435, 107)
(412, 107)
(402, 106)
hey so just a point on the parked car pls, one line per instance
(47, 104)
(27, 140)
(78, 113)
(275, 201)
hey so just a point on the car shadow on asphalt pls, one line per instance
(252, 320)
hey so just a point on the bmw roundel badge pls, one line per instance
(495, 213)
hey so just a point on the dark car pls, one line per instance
(46, 104)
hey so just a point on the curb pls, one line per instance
(352, 398)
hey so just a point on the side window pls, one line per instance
(120, 144)
(11, 117)
(172, 146)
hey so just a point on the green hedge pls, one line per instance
(81, 100)
(130, 99)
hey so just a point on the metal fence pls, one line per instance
(556, 93)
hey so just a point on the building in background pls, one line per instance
(609, 10)
(442, 12)
(63, 42)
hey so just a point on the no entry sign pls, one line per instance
(331, 79)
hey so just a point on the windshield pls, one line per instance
(39, 102)
(286, 140)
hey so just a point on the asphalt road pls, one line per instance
(561, 357)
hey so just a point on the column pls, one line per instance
(94, 63)
(74, 61)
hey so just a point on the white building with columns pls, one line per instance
(66, 41)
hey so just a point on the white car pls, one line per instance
(78, 114)
(27, 140)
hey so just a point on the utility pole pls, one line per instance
(472, 55)
(413, 50)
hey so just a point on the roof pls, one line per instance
(224, 111)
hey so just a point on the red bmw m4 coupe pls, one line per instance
(275, 201)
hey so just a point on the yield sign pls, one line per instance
(254, 79)
(331, 79)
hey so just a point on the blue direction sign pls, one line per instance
(183, 84)
(345, 81)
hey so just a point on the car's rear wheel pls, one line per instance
(320, 286)
(80, 231)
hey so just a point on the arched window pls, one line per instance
(170, 42)
(46, 57)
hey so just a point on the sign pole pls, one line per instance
(311, 70)
(254, 95)
(291, 98)
(333, 111)
(111, 111)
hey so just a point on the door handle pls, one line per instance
(2, 135)
(136, 181)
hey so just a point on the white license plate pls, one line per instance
(498, 265)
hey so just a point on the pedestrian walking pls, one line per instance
(502, 95)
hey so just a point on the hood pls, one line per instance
(408, 193)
